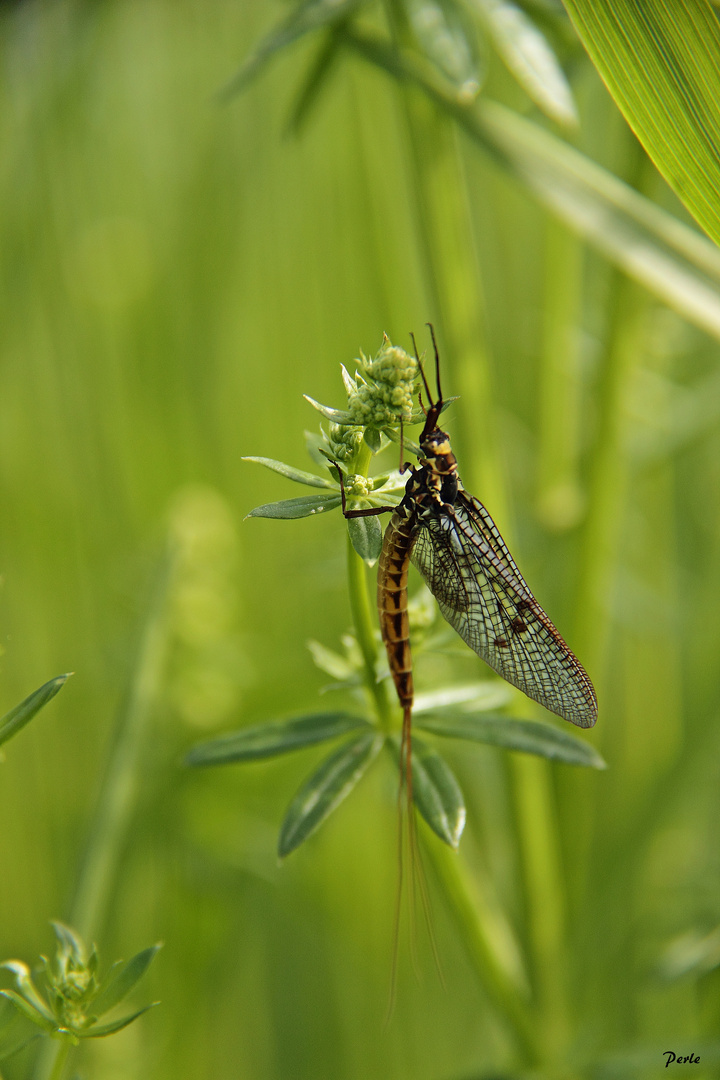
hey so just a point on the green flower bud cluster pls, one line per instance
(383, 393)
(358, 486)
(344, 441)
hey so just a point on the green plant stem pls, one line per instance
(363, 617)
(62, 1051)
(490, 944)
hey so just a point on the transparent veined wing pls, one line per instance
(482, 594)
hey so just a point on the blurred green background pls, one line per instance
(174, 275)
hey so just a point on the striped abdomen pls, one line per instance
(392, 601)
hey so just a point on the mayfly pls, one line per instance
(451, 539)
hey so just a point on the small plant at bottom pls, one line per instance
(70, 997)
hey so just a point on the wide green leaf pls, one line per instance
(527, 736)
(267, 740)
(298, 475)
(674, 261)
(325, 789)
(121, 978)
(661, 63)
(12, 721)
(366, 537)
(436, 792)
(290, 509)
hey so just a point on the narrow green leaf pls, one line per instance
(15, 1031)
(298, 475)
(448, 39)
(122, 977)
(661, 63)
(317, 78)
(672, 260)
(527, 736)
(338, 416)
(26, 986)
(332, 663)
(366, 537)
(482, 695)
(529, 56)
(12, 721)
(28, 1010)
(325, 790)
(291, 509)
(436, 792)
(99, 1031)
(267, 740)
(312, 15)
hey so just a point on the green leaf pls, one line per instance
(312, 15)
(436, 792)
(99, 1031)
(28, 1010)
(366, 537)
(298, 475)
(27, 988)
(332, 663)
(672, 260)
(15, 1031)
(484, 694)
(373, 439)
(121, 978)
(12, 721)
(290, 509)
(316, 80)
(325, 790)
(449, 41)
(527, 736)
(267, 740)
(528, 55)
(661, 63)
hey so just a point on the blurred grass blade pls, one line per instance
(315, 81)
(290, 509)
(325, 789)
(661, 63)
(298, 475)
(525, 735)
(267, 740)
(482, 695)
(670, 259)
(121, 979)
(366, 537)
(529, 56)
(18, 717)
(436, 792)
(312, 15)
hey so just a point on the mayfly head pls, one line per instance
(432, 440)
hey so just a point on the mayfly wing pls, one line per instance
(480, 591)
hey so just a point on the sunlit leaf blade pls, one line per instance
(527, 736)
(121, 979)
(12, 721)
(366, 537)
(290, 509)
(690, 953)
(528, 55)
(448, 40)
(436, 792)
(325, 790)
(26, 987)
(298, 475)
(650, 245)
(99, 1031)
(330, 662)
(267, 740)
(303, 19)
(661, 63)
